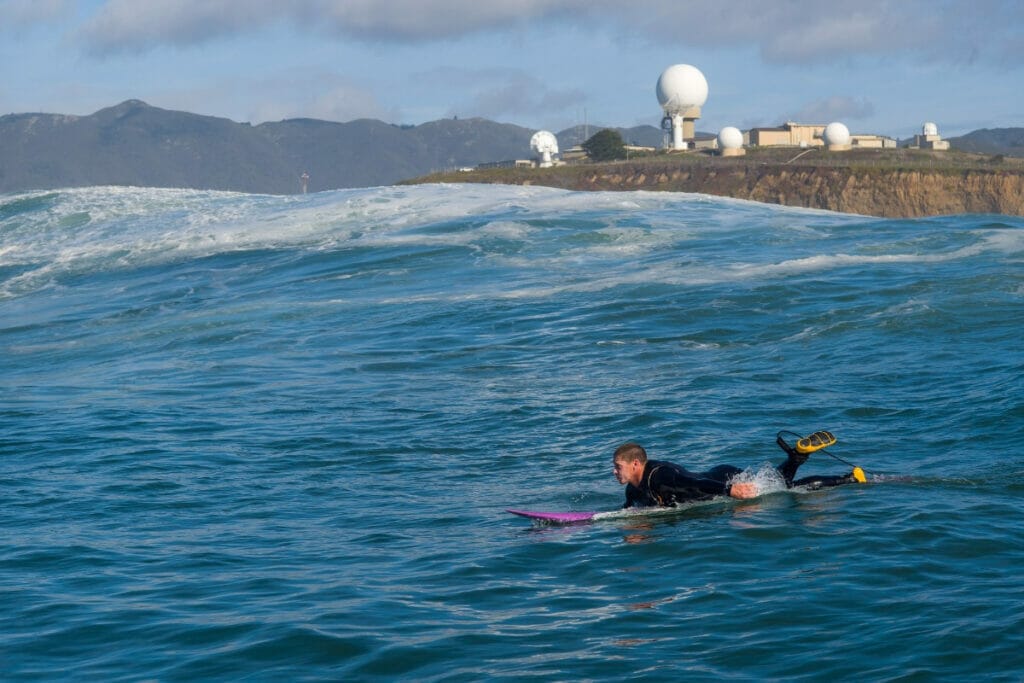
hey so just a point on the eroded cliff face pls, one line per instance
(874, 192)
(894, 193)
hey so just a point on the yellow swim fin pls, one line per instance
(815, 442)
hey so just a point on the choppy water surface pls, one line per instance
(267, 438)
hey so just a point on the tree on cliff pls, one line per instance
(605, 145)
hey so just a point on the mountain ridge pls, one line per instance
(134, 143)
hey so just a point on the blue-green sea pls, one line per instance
(261, 438)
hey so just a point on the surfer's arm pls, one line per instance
(636, 496)
(630, 498)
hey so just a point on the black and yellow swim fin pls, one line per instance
(815, 442)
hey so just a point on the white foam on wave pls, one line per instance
(116, 227)
(135, 218)
(902, 309)
(1003, 241)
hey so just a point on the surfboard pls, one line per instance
(555, 517)
(544, 517)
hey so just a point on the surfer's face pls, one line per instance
(628, 471)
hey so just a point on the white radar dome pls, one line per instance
(836, 134)
(544, 142)
(730, 137)
(929, 129)
(681, 87)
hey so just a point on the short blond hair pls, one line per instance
(630, 452)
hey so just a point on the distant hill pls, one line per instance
(134, 143)
(1008, 141)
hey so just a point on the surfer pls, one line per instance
(658, 483)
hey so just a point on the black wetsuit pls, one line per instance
(665, 484)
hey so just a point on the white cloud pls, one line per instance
(418, 20)
(131, 26)
(18, 14)
(796, 31)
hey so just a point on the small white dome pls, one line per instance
(929, 129)
(730, 137)
(681, 87)
(836, 134)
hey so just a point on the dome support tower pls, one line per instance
(682, 90)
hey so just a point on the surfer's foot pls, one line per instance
(815, 442)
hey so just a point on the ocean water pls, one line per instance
(273, 438)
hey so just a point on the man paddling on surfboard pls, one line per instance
(652, 483)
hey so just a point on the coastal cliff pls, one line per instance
(887, 193)
(886, 183)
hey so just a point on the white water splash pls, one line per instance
(766, 478)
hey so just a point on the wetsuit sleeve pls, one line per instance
(633, 495)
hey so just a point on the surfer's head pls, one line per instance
(628, 463)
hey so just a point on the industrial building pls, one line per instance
(682, 90)
(789, 134)
(792, 134)
(930, 139)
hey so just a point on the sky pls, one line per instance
(879, 66)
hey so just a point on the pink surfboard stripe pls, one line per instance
(555, 516)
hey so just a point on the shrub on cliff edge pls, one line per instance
(605, 145)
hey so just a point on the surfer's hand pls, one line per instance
(744, 489)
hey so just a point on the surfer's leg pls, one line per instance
(788, 469)
(825, 481)
(798, 456)
(793, 461)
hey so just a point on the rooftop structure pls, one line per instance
(791, 134)
(930, 138)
